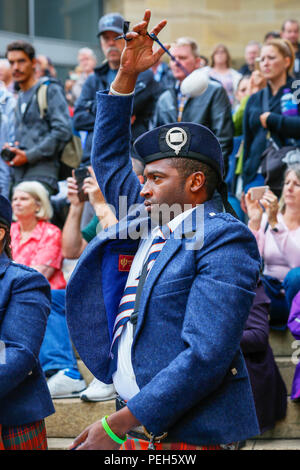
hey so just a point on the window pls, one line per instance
(75, 20)
(14, 16)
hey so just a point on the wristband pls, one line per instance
(111, 434)
(116, 93)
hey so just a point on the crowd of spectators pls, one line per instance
(53, 224)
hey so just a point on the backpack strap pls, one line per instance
(41, 97)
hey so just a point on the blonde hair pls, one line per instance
(296, 169)
(285, 48)
(40, 195)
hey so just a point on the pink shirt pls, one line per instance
(42, 248)
(280, 250)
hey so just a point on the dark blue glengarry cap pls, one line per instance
(111, 22)
(186, 140)
(5, 211)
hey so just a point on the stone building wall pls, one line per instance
(232, 22)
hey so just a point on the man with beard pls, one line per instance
(40, 140)
(160, 309)
(110, 27)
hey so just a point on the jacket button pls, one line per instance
(234, 371)
(30, 373)
(212, 214)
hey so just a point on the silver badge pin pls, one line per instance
(176, 138)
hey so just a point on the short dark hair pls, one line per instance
(24, 46)
(188, 166)
(138, 166)
(6, 242)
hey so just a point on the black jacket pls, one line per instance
(146, 94)
(212, 109)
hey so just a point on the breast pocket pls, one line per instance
(173, 286)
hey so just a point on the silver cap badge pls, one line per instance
(176, 138)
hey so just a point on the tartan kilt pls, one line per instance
(139, 444)
(30, 436)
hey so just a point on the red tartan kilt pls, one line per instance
(139, 444)
(30, 436)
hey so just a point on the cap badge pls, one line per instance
(176, 138)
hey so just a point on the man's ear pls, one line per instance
(197, 181)
(2, 233)
(197, 62)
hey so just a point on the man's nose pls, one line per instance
(146, 190)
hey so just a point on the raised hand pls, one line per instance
(138, 54)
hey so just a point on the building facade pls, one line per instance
(56, 28)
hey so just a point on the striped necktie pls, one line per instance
(181, 102)
(127, 304)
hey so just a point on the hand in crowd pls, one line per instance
(257, 82)
(263, 119)
(255, 209)
(73, 191)
(91, 188)
(20, 158)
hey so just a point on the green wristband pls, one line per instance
(111, 434)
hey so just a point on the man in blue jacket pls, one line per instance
(161, 312)
(146, 90)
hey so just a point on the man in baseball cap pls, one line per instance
(111, 22)
(110, 27)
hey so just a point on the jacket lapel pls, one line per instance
(189, 233)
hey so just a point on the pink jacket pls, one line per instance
(280, 250)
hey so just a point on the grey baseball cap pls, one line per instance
(111, 22)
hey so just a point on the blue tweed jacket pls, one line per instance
(186, 350)
(24, 309)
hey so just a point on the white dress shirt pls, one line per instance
(124, 379)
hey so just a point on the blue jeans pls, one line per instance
(56, 351)
(281, 303)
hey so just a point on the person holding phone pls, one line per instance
(276, 226)
(276, 65)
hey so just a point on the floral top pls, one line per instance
(42, 248)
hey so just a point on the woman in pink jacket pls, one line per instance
(276, 227)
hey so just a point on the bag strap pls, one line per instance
(265, 100)
(41, 96)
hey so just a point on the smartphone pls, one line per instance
(258, 192)
(257, 63)
(80, 175)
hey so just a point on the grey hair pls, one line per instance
(88, 51)
(186, 41)
(40, 194)
(253, 43)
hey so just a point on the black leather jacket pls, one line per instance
(212, 109)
